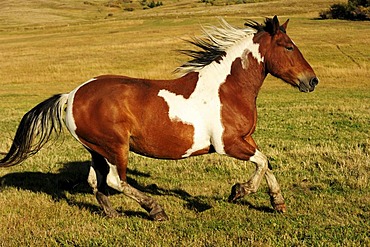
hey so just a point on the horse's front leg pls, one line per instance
(276, 198)
(245, 149)
(240, 190)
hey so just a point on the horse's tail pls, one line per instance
(35, 129)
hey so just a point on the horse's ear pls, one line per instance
(275, 25)
(285, 25)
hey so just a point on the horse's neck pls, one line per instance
(248, 76)
(241, 70)
(244, 80)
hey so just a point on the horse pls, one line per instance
(210, 108)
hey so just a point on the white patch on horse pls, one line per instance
(202, 109)
(92, 179)
(254, 49)
(259, 158)
(113, 179)
(69, 119)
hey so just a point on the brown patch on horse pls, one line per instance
(184, 85)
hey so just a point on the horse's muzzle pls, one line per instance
(308, 85)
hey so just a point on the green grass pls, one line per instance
(318, 143)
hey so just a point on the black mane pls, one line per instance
(207, 54)
(212, 46)
(268, 26)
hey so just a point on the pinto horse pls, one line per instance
(211, 108)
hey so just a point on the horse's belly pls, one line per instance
(170, 142)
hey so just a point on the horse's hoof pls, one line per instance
(112, 213)
(159, 216)
(280, 208)
(277, 202)
(237, 191)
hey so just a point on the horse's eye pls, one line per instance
(289, 48)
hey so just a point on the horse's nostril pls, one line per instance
(314, 81)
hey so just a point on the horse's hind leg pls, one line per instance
(117, 180)
(97, 179)
(155, 211)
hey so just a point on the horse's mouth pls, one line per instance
(308, 86)
(305, 88)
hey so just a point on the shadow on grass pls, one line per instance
(72, 179)
(265, 209)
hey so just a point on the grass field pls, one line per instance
(318, 143)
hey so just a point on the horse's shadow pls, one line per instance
(72, 179)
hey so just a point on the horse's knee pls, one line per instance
(260, 160)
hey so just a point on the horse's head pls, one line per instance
(283, 58)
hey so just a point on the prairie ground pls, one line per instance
(318, 143)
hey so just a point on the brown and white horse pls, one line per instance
(211, 108)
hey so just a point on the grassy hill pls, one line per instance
(52, 12)
(318, 143)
